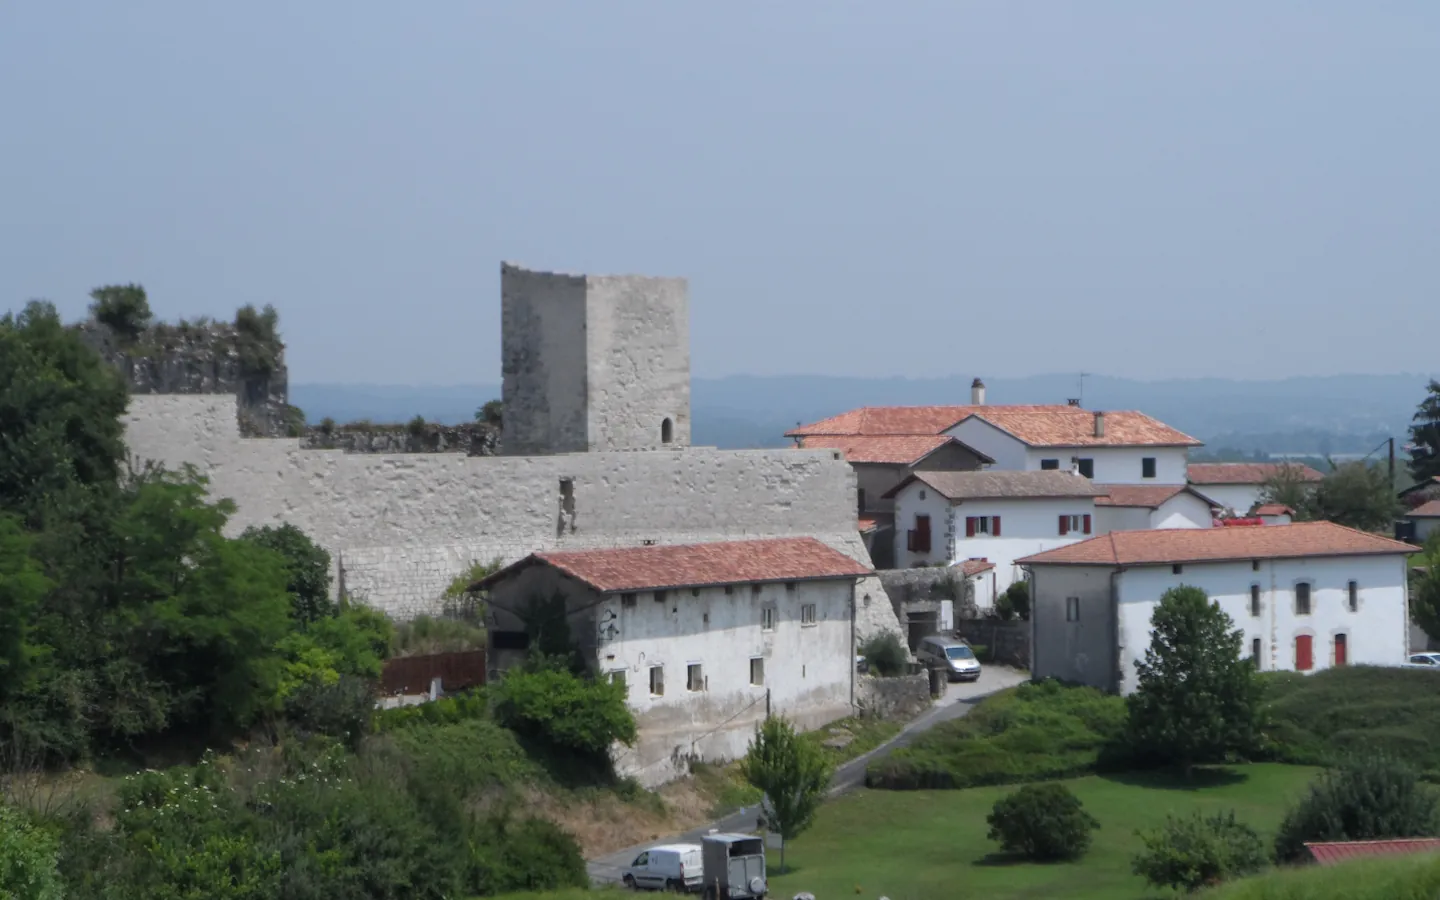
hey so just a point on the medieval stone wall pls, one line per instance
(472, 439)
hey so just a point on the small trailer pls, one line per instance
(734, 867)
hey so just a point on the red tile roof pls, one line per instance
(693, 565)
(1173, 545)
(1424, 510)
(1273, 509)
(894, 449)
(975, 566)
(995, 484)
(1331, 852)
(1244, 473)
(1146, 496)
(867, 523)
(1036, 425)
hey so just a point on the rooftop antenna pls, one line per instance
(1080, 386)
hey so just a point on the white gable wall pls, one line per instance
(1184, 510)
(1008, 452)
(1376, 634)
(1113, 465)
(1239, 497)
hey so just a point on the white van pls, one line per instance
(668, 867)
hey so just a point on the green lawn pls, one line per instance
(931, 845)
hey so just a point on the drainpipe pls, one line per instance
(854, 612)
(1116, 667)
(1034, 593)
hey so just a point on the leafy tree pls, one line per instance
(1366, 798)
(1043, 822)
(1358, 495)
(22, 589)
(1289, 487)
(492, 413)
(307, 566)
(28, 859)
(794, 775)
(1425, 586)
(60, 408)
(1014, 603)
(124, 309)
(570, 713)
(1198, 850)
(1196, 699)
(1425, 435)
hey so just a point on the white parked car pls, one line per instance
(1424, 661)
(667, 867)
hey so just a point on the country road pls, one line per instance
(959, 699)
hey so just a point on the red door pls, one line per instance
(1340, 650)
(1304, 656)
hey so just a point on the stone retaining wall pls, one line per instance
(1008, 642)
(901, 698)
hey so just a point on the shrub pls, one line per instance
(525, 854)
(28, 859)
(1043, 822)
(124, 309)
(424, 635)
(1014, 603)
(1198, 850)
(449, 710)
(257, 339)
(1038, 731)
(416, 426)
(343, 709)
(1366, 798)
(885, 654)
(568, 712)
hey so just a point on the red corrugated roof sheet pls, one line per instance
(1178, 545)
(1331, 852)
(694, 565)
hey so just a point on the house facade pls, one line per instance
(1426, 519)
(704, 637)
(951, 518)
(1307, 597)
(1136, 507)
(1238, 486)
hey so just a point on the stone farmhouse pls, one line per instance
(595, 455)
(706, 638)
(1236, 487)
(1308, 596)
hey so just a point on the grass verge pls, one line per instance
(1400, 878)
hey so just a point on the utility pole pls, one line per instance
(1080, 387)
(1392, 463)
(767, 703)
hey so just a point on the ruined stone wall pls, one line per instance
(400, 527)
(472, 439)
(203, 358)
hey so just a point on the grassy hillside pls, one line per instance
(1400, 878)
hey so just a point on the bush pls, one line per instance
(343, 709)
(124, 309)
(1014, 603)
(1322, 718)
(28, 859)
(1198, 850)
(1367, 798)
(581, 715)
(448, 710)
(1043, 822)
(885, 654)
(307, 568)
(1038, 731)
(524, 855)
(424, 635)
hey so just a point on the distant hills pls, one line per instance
(1339, 414)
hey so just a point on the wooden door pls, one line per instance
(1341, 650)
(1304, 653)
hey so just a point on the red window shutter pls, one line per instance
(922, 534)
(1304, 657)
(1064, 525)
(969, 526)
(995, 527)
(1341, 656)
(1087, 523)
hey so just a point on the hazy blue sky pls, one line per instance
(909, 188)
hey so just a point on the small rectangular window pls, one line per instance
(729, 589)
(617, 676)
(807, 614)
(694, 678)
(627, 600)
(1047, 465)
(790, 586)
(1254, 565)
(767, 618)
(694, 592)
(754, 588)
(1254, 599)
(660, 596)
(1176, 569)
(1255, 651)
(1353, 596)
(1087, 468)
(1147, 467)
(757, 671)
(1302, 599)
(1072, 609)
(657, 681)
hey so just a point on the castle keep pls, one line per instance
(595, 453)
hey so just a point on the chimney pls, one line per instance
(1099, 424)
(1073, 401)
(977, 393)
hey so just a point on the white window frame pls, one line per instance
(808, 615)
(694, 674)
(767, 617)
(661, 670)
(757, 665)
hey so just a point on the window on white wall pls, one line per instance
(1147, 467)
(1254, 599)
(807, 614)
(1047, 465)
(757, 671)
(694, 678)
(617, 676)
(767, 618)
(1072, 609)
(1352, 595)
(1087, 467)
(657, 681)
(1075, 524)
(1255, 651)
(1302, 599)
(982, 525)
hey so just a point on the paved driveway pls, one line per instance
(959, 699)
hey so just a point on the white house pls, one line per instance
(1426, 518)
(705, 637)
(1307, 596)
(980, 574)
(1134, 507)
(993, 516)
(1237, 486)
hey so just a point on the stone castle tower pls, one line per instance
(593, 363)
